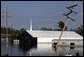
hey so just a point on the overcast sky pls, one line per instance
(42, 13)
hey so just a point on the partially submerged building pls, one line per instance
(68, 37)
(51, 37)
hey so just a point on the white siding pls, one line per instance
(44, 39)
(62, 42)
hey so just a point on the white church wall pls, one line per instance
(43, 40)
(62, 42)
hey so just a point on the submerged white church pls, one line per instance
(68, 37)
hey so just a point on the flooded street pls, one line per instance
(39, 28)
(40, 50)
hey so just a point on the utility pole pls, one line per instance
(11, 37)
(6, 16)
(68, 15)
(7, 29)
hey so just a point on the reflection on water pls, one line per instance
(40, 50)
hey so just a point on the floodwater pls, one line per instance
(40, 50)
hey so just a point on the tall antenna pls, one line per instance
(30, 24)
(6, 16)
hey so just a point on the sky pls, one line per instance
(42, 13)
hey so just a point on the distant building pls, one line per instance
(16, 42)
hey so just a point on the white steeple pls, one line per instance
(30, 24)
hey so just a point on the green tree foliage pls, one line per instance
(79, 30)
(12, 32)
(45, 28)
(61, 25)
